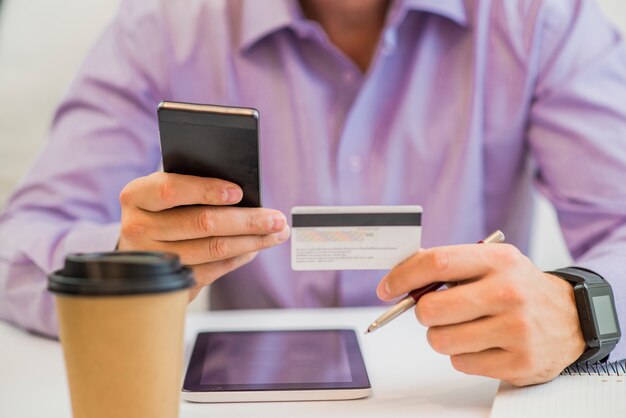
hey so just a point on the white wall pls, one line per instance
(43, 41)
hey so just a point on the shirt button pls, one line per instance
(355, 163)
(390, 42)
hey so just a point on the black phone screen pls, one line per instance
(213, 144)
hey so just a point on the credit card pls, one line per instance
(354, 237)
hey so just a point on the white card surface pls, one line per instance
(354, 237)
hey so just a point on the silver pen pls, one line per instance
(411, 299)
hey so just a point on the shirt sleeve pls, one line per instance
(577, 135)
(103, 135)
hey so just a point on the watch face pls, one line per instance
(602, 306)
(604, 314)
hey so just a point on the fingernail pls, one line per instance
(232, 195)
(278, 222)
(284, 234)
(383, 289)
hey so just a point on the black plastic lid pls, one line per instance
(120, 273)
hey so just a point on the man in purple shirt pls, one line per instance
(461, 106)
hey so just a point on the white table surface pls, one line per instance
(407, 377)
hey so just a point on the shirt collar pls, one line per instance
(454, 10)
(260, 19)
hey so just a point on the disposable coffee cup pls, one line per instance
(121, 319)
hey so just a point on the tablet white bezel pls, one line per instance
(276, 395)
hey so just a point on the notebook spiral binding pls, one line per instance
(616, 368)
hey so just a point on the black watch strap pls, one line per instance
(579, 276)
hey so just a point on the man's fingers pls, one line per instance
(445, 264)
(469, 337)
(205, 250)
(458, 304)
(195, 222)
(519, 370)
(160, 191)
(493, 362)
(438, 264)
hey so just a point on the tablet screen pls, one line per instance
(262, 360)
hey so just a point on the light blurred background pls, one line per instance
(42, 43)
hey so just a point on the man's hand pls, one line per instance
(506, 319)
(213, 239)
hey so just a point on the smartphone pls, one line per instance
(213, 141)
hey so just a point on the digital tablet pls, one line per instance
(251, 366)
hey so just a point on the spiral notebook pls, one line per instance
(595, 390)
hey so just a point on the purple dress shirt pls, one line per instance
(466, 109)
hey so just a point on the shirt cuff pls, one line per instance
(87, 238)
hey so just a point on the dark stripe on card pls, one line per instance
(356, 219)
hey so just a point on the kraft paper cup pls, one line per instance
(121, 324)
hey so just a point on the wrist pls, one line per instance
(574, 345)
(597, 315)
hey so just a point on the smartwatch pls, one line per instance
(596, 312)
